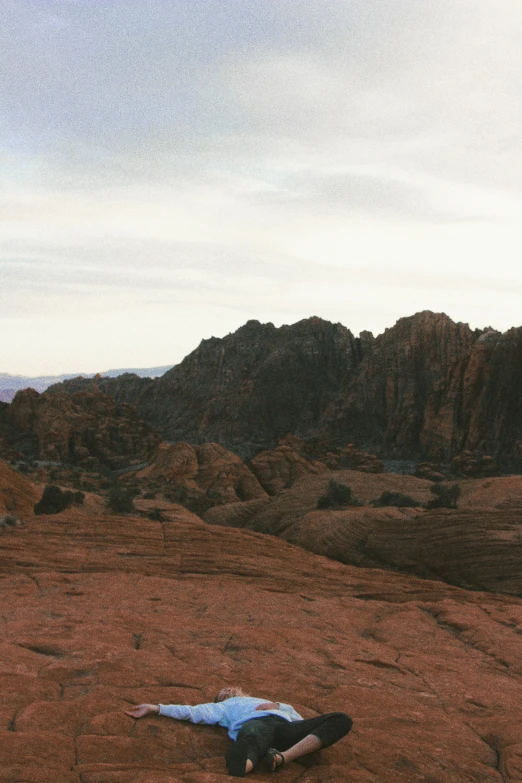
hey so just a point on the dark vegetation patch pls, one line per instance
(395, 499)
(338, 496)
(446, 496)
(54, 500)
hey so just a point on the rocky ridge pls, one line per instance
(86, 427)
(427, 388)
(477, 545)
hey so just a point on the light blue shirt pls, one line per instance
(231, 713)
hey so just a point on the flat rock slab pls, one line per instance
(99, 614)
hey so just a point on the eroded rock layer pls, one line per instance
(87, 428)
(100, 613)
(478, 545)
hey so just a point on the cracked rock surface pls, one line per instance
(98, 613)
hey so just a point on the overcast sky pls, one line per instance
(173, 168)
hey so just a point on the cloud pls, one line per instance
(236, 160)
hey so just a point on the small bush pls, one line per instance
(337, 496)
(119, 500)
(446, 496)
(195, 500)
(88, 486)
(395, 499)
(149, 496)
(78, 498)
(8, 521)
(53, 500)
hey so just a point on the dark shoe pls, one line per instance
(236, 759)
(274, 760)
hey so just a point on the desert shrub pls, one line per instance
(195, 500)
(89, 486)
(133, 490)
(120, 500)
(156, 515)
(53, 500)
(8, 521)
(149, 496)
(78, 498)
(394, 499)
(337, 495)
(446, 496)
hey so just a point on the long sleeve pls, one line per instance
(202, 713)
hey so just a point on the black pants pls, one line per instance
(271, 731)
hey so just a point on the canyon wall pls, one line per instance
(426, 388)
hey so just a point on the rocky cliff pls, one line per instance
(86, 427)
(426, 388)
(433, 388)
(253, 386)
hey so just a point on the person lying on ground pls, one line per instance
(271, 732)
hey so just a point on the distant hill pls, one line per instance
(10, 384)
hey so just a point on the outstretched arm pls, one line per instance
(143, 709)
(201, 713)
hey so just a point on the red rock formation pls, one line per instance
(255, 385)
(88, 427)
(427, 388)
(352, 458)
(468, 464)
(432, 387)
(478, 545)
(278, 469)
(17, 494)
(218, 474)
(430, 471)
(101, 614)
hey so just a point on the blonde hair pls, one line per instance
(228, 693)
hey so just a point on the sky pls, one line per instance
(170, 169)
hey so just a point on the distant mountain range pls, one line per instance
(10, 384)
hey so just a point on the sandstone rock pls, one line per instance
(87, 425)
(101, 614)
(468, 464)
(209, 471)
(17, 494)
(428, 470)
(280, 468)
(177, 462)
(254, 386)
(351, 458)
(426, 388)
(473, 546)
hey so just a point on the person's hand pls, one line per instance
(141, 710)
(268, 705)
